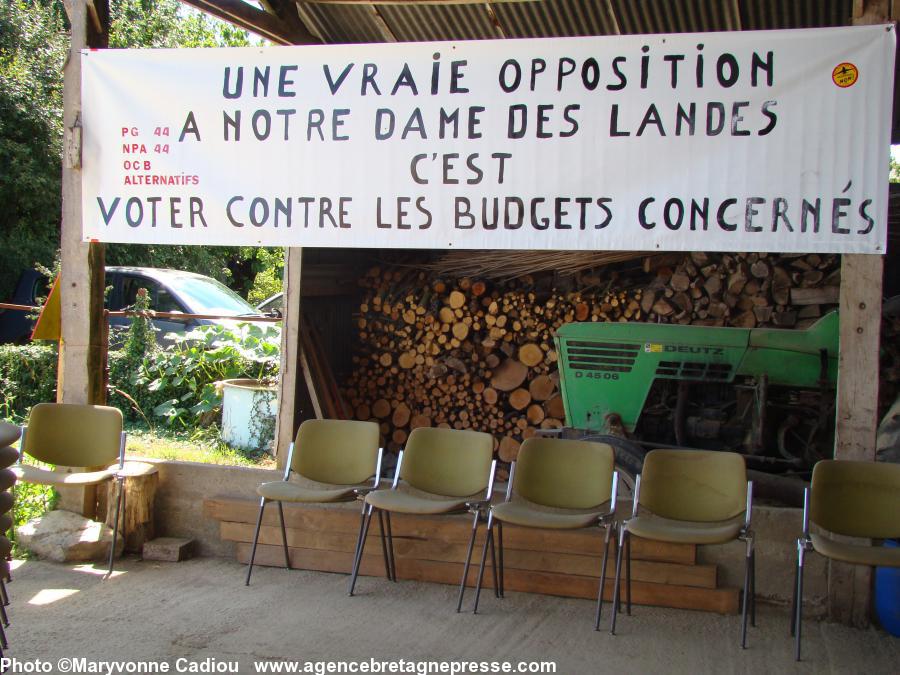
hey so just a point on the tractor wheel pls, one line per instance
(629, 460)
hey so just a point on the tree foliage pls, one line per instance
(33, 46)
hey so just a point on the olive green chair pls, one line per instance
(558, 485)
(338, 456)
(449, 471)
(9, 434)
(696, 497)
(853, 499)
(75, 436)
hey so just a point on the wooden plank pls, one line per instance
(289, 367)
(723, 600)
(588, 565)
(455, 529)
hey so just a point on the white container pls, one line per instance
(248, 414)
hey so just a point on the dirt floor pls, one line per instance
(200, 612)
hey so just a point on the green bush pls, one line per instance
(27, 377)
(187, 373)
(125, 364)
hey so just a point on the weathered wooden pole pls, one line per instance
(81, 347)
(849, 586)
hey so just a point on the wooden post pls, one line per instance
(136, 522)
(849, 586)
(81, 353)
(285, 423)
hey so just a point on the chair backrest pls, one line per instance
(698, 485)
(857, 499)
(450, 462)
(564, 474)
(340, 452)
(69, 434)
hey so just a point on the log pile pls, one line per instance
(741, 290)
(470, 353)
(889, 386)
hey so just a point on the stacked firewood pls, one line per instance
(475, 353)
(743, 290)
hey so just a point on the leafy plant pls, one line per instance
(32, 501)
(27, 377)
(190, 371)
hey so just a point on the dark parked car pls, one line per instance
(174, 291)
(169, 290)
(16, 324)
(272, 306)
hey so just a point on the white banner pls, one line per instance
(743, 141)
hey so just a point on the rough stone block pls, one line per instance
(168, 549)
(63, 536)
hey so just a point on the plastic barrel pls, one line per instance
(887, 595)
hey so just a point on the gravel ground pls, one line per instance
(198, 614)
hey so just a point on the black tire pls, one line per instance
(629, 457)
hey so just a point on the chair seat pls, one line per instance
(404, 502)
(7, 479)
(285, 491)
(9, 433)
(683, 531)
(519, 513)
(32, 474)
(858, 554)
(6, 501)
(8, 456)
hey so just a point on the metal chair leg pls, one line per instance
(484, 549)
(465, 574)
(3, 617)
(120, 497)
(602, 576)
(746, 600)
(794, 600)
(360, 548)
(262, 507)
(384, 551)
(390, 541)
(799, 614)
(284, 544)
(362, 522)
(753, 588)
(3, 643)
(628, 574)
(500, 557)
(494, 566)
(615, 602)
(4, 596)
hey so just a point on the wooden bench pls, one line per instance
(564, 563)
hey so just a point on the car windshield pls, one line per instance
(208, 296)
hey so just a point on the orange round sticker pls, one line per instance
(845, 75)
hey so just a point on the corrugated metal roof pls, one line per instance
(341, 23)
(411, 22)
(414, 23)
(676, 16)
(556, 18)
(766, 14)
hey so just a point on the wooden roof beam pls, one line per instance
(257, 21)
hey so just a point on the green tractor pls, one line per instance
(765, 393)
